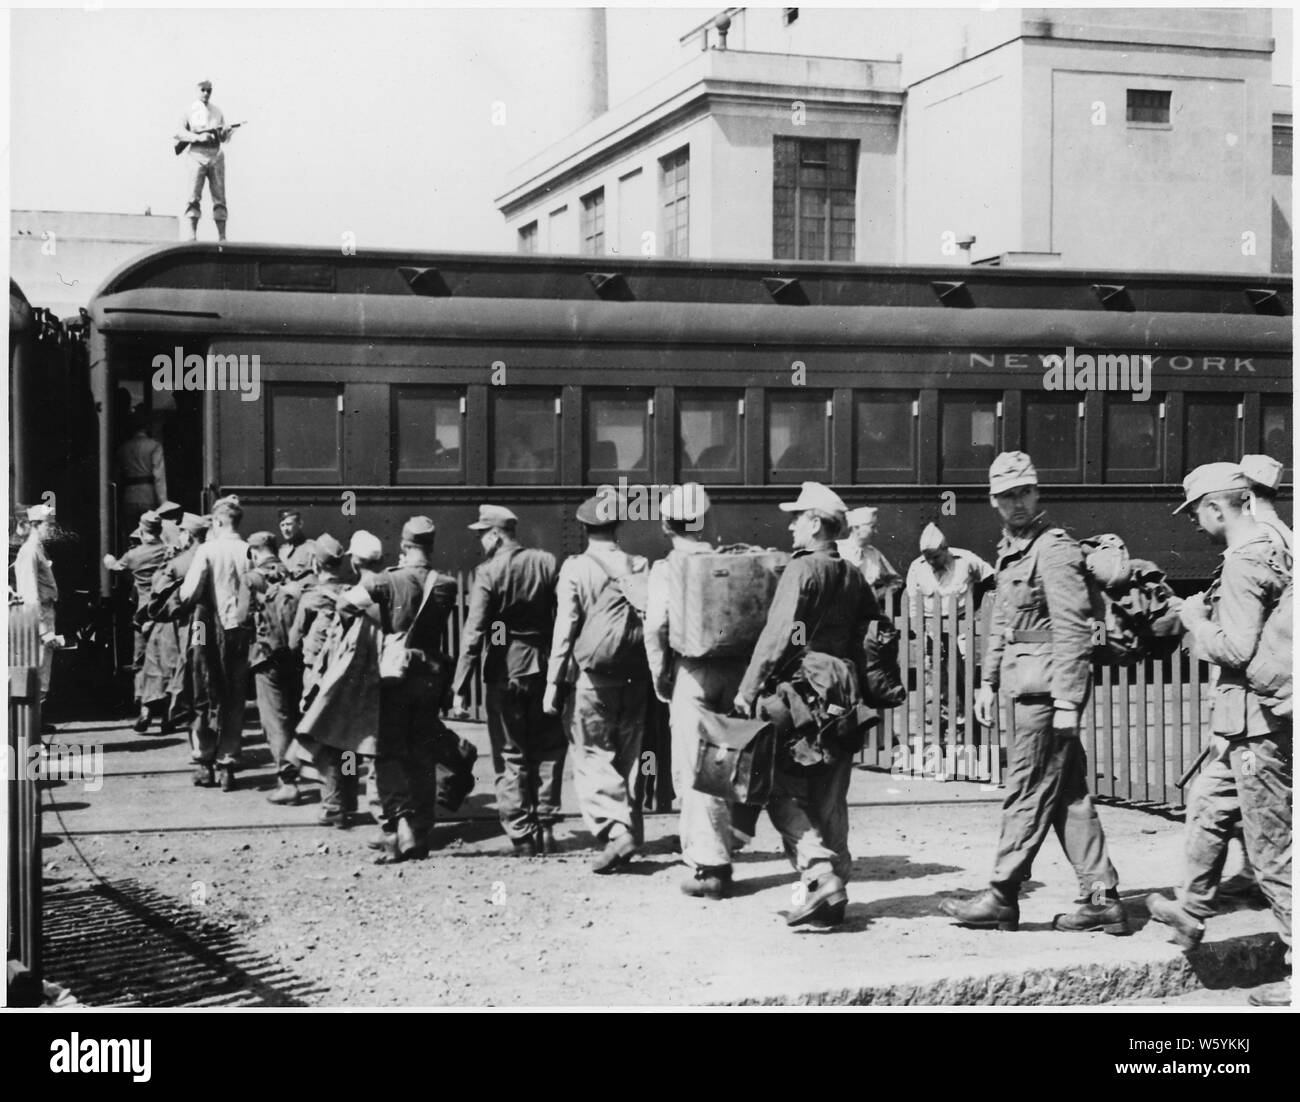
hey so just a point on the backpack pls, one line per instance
(1134, 609)
(1269, 672)
(612, 640)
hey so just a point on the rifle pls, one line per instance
(180, 147)
(1187, 776)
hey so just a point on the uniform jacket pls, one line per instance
(822, 600)
(142, 470)
(218, 579)
(515, 588)
(1042, 593)
(1238, 602)
(298, 558)
(344, 710)
(34, 580)
(579, 584)
(313, 618)
(658, 615)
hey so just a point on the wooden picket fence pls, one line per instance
(1143, 727)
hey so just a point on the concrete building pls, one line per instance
(1127, 138)
(59, 258)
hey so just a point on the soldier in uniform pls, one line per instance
(167, 650)
(1248, 773)
(144, 560)
(405, 769)
(297, 552)
(607, 717)
(511, 617)
(689, 685)
(35, 584)
(857, 550)
(1040, 653)
(820, 615)
(217, 586)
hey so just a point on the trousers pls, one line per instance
(1244, 783)
(214, 172)
(278, 687)
(528, 751)
(606, 725)
(1048, 790)
(810, 810)
(698, 684)
(219, 723)
(405, 763)
(339, 778)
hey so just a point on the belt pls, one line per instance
(144, 480)
(1039, 636)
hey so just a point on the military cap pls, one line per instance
(328, 549)
(685, 502)
(229, 499)
(492, 516)
(418, 530)
(600, 509)
(40, 512)
(150, 522)
(1263, 470)
(865, 514)
(1009, 470)
(263, 539)
(206, 84)
(194, 524)
(932, 539)
(169, 510)
(285, 513)
(813, 495)
(1211, 478)
(365, 547)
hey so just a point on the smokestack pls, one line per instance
(593, 65)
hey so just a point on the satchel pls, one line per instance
(735, 758)
(454, 769)
(395, 657)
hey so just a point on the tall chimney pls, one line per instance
(593, 65)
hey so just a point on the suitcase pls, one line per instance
(735, 759)
(719, 602)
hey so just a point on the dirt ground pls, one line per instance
(473, 925)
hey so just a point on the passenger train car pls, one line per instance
(365, 388)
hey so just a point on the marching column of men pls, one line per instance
(349, 664)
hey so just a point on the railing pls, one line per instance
(24, 933)
(1142, 728)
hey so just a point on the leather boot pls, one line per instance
(708, 883)
(227, 778)
(1272, 994)
(824, 904)
(194, 229)
(1109, 917)
(142, 721)
(617, 852)
(409, 845)
(221, 229)
(285, 793)
(1188, 931)
(986, 911)
(527, 846)
(546, 842)
(204, 777)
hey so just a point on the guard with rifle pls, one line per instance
(200, 136)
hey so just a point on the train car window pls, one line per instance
(428, 444)
(885, 444)
(618, 435)
(1053, 435)
(971, 434)
(1133, 439)
(1276, 426)
(799, 436)
(525, 437)
(1212, 429)
(708, 435)
(305, 433)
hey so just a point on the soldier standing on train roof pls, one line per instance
(1248, 774)
(857, 550)
(508, 629)
(297, 552)
(1264, 473)
(689, 685)
(203, 131)
(1040, 653)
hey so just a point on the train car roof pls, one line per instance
(279, 270)
(20, 310)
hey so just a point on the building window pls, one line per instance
(427, 435)
(1133, 439)
(799, 437)
(1053, 435)
(789, 15)
(1146, 105)
(708, 434)
(618, 435)
(1276, 426)
(675, 203)
(528, 238)
(1281, 152)
(886, 436)
(525, 437)
(1212, 428)
(593, 223)
(305, 434)
(970, 432)
(814, 197)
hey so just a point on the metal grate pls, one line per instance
(120, 943)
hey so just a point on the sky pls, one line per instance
(378, 123)
(374, 123)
